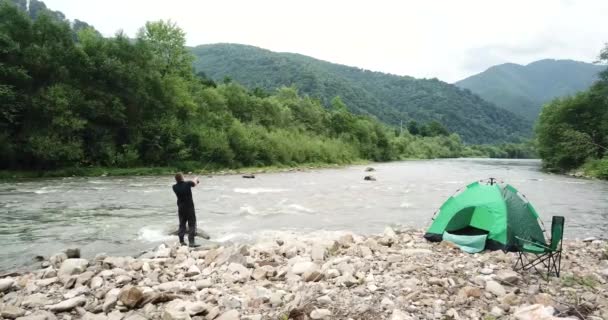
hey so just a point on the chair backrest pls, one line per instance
(557, 232)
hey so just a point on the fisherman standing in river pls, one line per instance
(185, 208)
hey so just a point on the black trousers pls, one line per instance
(186, 215)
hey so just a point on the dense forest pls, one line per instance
(392, 99)
(525, 89)
(572, 132)
(72, 98)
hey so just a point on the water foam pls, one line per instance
(300, 208)
(258, 190)
(249, 210)
(152, 234)
(45, 190)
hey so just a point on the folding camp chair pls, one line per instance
(549, 256)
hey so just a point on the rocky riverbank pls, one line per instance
(395, 275)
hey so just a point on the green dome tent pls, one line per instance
(486, 216)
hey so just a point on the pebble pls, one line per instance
(320, 314)
(495, 288)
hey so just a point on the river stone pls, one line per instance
(39, 315)
(173, 286)
(193, 271)
(110, 300)
(394, 258)
(497, 312)
(346, 280)
(93, 316)
(318, 252)
(130, 296)
(96, 283)
(35, 300)
(387, 303)
(85, 277)
(332, 273)
(486, 271)
(46, 282)
(68, 305)
(534, 312)
(11, 312)
(49, 272)
(202, 284)
(346, 240)
(389, 233)
(73, 253)
(237, 273)
(320, 314)
(300, 268)
(116, 315)
(324, 300)
(71, 267)
(313, 275)
(229, 315)
(469, 291)
(136, 316)
(366, 252)
(508, 276)
(495, 288)
(543, 299)
(123, 279)
(163, 252)
(116, 262)
(176, 310)
(57, 259)
(196, 307)
(400, 315)
(77, 292)
(6, 284)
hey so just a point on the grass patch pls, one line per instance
(585, 281)
(597, 168)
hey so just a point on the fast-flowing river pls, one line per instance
(126, 215)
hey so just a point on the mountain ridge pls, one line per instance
(391, 98)
(524, 89)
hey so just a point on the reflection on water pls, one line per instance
(127, 215)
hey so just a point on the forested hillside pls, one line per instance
(72, 98)
(390, 98)
(573, 131)
(525, 89)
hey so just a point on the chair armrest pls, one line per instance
(536, 243)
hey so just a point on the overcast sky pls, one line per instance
(446, 39)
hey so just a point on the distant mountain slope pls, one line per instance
(524, 89)
(389, 97)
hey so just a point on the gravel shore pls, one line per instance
(395, 275)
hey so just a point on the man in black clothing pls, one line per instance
(185, 208)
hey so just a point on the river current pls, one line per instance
(125, 215)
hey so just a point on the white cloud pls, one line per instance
(445, 39)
